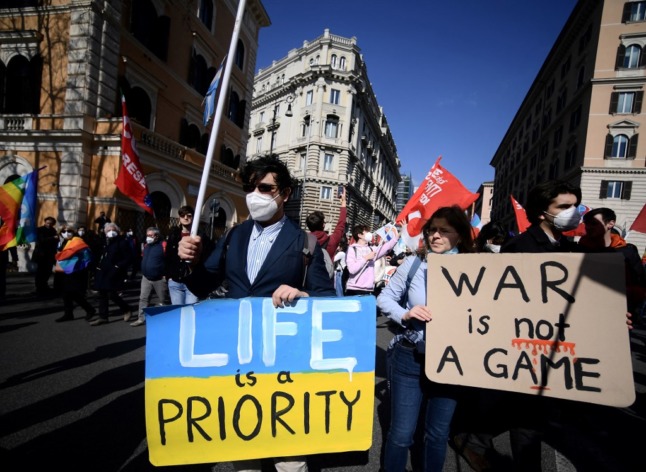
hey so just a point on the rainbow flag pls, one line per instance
(17, 211)
(74, 257)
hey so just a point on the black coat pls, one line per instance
(112, 264)
(535, 240)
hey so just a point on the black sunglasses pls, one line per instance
(263, 188)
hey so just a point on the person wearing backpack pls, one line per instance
(153, 267)
(316, 223)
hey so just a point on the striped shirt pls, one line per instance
(259, 245)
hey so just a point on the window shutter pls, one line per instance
(628, 187)
(642, 57)
(626, 14)
(608, 151)
(621, 52)
(614, 99)
(632, 147)
(603, 192)
(639, 97)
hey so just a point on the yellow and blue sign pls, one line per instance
(240, 379)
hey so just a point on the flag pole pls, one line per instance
(218, 117)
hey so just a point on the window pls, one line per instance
(20, 84)
(615, 189)
(261, 118)
(259, 145)
(205, 12)
(626, 102)
(629, 57)
(309, 96)
(570, 157)
(621, 146)
(342, 63)
(334, 96)
(561, 100)
(326, 193)
(558, 136)
(328, 162)
(634, 11)
(149, 28)
(575, 118)
(239, 57)
(333, 61)
(331, 127)
(303, 156)
(306, 127)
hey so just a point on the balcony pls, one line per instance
(16, 123)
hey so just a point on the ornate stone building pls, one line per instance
(315, 109)
(63, 67)
(582, 117)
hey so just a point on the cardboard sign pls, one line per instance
(540, 324)
(239, 379)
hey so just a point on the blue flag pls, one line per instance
(209, 98)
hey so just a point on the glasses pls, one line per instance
(262, 188)
(443, 232)
(188, 215)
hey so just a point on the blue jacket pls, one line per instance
(283, 265)
(153, 263)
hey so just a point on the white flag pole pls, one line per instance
(218, 116)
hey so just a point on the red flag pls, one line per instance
(131, 180)
(640, 222)
(440, 188)
(521, 217)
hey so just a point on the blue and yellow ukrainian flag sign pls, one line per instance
(239, 379)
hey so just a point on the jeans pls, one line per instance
(180, 294)
(338, 282)
(147, 286)
(409, 387)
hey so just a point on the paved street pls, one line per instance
(73, 398)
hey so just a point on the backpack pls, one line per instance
(329, 265)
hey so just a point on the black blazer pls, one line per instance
(284, 265)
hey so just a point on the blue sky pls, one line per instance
(449, 75)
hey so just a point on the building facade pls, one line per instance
(63, 67)
(316, 110)
(405, 190)
(483, 205)
(582, 117)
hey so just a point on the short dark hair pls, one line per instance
(50, 218)
(606, 215)
(256, 169)
(357, 230)
(185, 210)
(456, 218)
(540, 197)
(493, 231)
(315, 221)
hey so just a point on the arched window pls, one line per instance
(631, 59)
(234, 106)
(198, 73)
(139, 106)
(333, 61)
(342, 63)
(205, 13)
(239, 59)
(619, 146)
(162, 207)
(204, 143)
(20, 85)
(226, 156)
(152, 31)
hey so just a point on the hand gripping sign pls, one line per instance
(239, 379)
(540, 324)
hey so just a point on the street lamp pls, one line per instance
(288, 114)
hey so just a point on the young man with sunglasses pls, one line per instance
(176, 269)
(261, 257)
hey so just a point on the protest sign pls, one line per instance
(541, 324)
(239, 379)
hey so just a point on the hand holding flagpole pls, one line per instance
(218, 117)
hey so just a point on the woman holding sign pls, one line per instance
(403, 300)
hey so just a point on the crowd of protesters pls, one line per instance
(181, 269)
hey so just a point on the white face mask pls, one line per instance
(81, 232)
(150, 240)
(67, 234)
(129, 233)
(260, 207)
(111, 234)
(368, 237)
(492, 247)
(567, 219)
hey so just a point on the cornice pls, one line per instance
(612, 170)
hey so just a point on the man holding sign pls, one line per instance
(551, 209)
(262, 257)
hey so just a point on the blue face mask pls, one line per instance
(453, 250)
